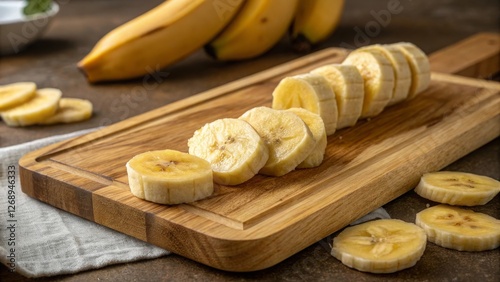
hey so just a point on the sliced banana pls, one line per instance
(40, 107)
(234, 149)
(15, 94)
(169, 177)
(459, 229)
(402, 72)
(380, 246)
(311, 92)
(378, 76)
(317, 127)
(457, 188)
(347, 84)
(288, 138)
(419, 66)
(70, 110)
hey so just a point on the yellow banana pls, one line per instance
(258, 26)
(158, 38)
(314, 21)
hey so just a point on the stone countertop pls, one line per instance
(51, 61)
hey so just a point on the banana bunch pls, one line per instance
(227, 30)
(22, 104)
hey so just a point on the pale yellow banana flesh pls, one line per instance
(459, 229)
(317, 127)
(311, 92)
(43, 105)
(257, 27)
(234, 149)
(288, 138)
(419, 66)
(314, 21)
(347, 84)
(378, 75)
(15, 94)
(380, 246)
(169, 177)
(457, 188)
(70, 110)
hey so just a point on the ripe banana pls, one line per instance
(43, 105)
(70, 110)
(234, 149)
(378, 76)
(15, 94)
(158, 38)
(459, 229)
(311, 92)
(419, 66)
(314, 21)
(347, 84)
(402, 73)
(380, 246)
(169, 177)
(317, 127)
(457, 188)
(258, 26)
(288, 138)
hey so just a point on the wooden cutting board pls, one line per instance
(267, 219)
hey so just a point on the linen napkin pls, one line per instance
(39, 240)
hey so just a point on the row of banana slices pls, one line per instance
(293, 133)
(390, 245)
(22, 104)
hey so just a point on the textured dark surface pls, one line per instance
(432, 25)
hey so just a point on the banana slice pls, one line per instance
(347, 84)
(70, 110)
(288, 138)
(457, 188)
(169, 177)
(380, 246)
(459, 229)
(402, 72)
(378, 76)
(419, 66)
(15, 94)
(311, 92)
(40, 107)
(317, 127)
(234, 149)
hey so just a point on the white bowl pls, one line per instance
(17, 30)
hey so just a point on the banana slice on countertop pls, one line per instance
(419, 66)
(459, 229)
(42, 106)
(457, 188)
(70, 110)
(288, 138)
(347, 84)
(15, 94)
(234, 149)
(402, 72)
(378, 76)
(169, 177)
(317, 127)
(311, 92)
(380, 246)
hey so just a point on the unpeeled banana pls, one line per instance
(457, 188)
(459, 229)
(380, 246)
(234, 149)
(169, 177)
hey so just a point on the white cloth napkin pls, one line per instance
(45, 241)
(40, 240)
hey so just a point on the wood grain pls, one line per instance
(267, 219)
